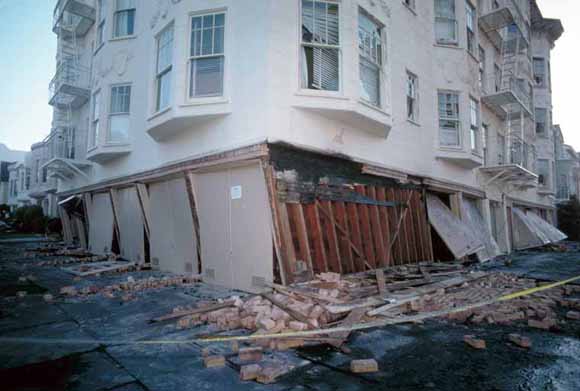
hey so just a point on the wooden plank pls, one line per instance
(66, 225)
(416, 217)
(377, 230)
(354, 228)
(380, 275)
(81, 231)
(414, 232)
(282, 256)
(397, 248)
(315, 231)
(332, 238)
(366, 230)
(189, 183)
(114, 196)
(345, 242)
(352, 318)
(297, 212)
(144, 206)
(288, 243)
(427, 229)
(87, 205)
(407, 239)
(385, 224)
(295, 314)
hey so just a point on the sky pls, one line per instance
(27, 65)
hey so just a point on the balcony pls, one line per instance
(103, 153)
(70, 86)
(493, 22)
(507, 96)
(73, 16)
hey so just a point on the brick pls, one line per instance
(474, 342)
(270, 374)
(573, 315)
(287, 344)
(364, 366)
(316, 312)
(266, 323)
(329, 277)
(545, 324)
(523, 342)
(214, 361)
(250, 372)
(250, 354)
(298, 326)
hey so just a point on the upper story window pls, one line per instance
(124, 18)
(543, 167)
(470, 20)
(207, 59)
(412, 97)
(497, 77)
(28, 174)
(474, 124)
(540, 71)
(101, 9)
(541, 121)
(164, 65)
(501, 149)
(320, 51)
(94, 136)
(445, 22)
(449, 124)
(119, 113)
(482, 71)
(370, 58)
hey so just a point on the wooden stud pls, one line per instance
(384, 216)
(317, 239)
(366, 229)
(288, 243)
(113, 195)
(404, 229)
(297, 213)
(427, 229)
(332, 238)
(354, 228)
(377, 230)
(145, 207)
(345, 247)
(189, 185)
(397, 248)
(413, 242)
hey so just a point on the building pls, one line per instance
(270, 142)
(567, 168)
(8, 158)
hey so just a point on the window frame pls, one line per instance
(113, 113)
(379, 63)
(456, 120)
(315, 45)
(471, 31)
(414, 118)
(95, 120)
(101, 19)
(474, 125)
(544, 132)
(168, 70)
(438, 17)
(191, 58)
(123, 11)
(542, 61)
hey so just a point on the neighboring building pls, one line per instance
(273, 141)
(8, 157)
(567, 168)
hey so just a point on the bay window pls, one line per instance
(449, 123)
(124, 18)
(412, 97)
(320, 51)
(163, 68)
(474, 124)
(206, 61)
(370, 58)
(119, 113)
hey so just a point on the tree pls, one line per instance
(569, 218)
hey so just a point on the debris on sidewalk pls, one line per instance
(474, 342)
(517, 339)
(364, 366)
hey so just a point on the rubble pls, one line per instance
(474, 342)
(214, 361)
(364, 366)
(517, 339)
(250, 372)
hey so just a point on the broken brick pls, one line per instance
(573, 315)
(364, 366)
(250, 354)
(269, 374)
(287, 344)
(544, 324)
(523, 342)
(214, 361)
(249, 372)
(298, 326)
(474, 342)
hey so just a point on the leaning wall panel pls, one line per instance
(131, 226)
(100, 224)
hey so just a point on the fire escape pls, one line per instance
(512, 94)
(69, 89)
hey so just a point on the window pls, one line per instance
(70, 140)
(44, 174)
(497, 76)
(101, 22)
(549, 76)
(37, 170)
(474, 124)
(28, 174)
(541, 121)
(470, 17)
(482, 81)
(445, 22)
(164, 67)
(412, 97)
(370, 58)
(206, 62)
(501, 149)
(124, 18)
(540, 71)
(484, 136)
(95, 119)
(119, 113)
(320, 45)
(449, 119)
(543, 172)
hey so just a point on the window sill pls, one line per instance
(98, 48)
(413, 122)
(411, 9)
(123, 38)
(159, 113)
(321, 94)
(451, 148)
(447, 45)
(210, 100)
(373, 107)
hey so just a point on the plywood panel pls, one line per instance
(100, 224)
(456, 234)
(131, 225)
(172, 245)
(523, 232)
(473, 218)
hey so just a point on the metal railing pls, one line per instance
(69, 73)
(61, 17)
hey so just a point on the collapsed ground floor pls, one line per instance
(268, 213)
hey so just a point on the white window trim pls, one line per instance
(313, 92)
(158, 110)
(114, 36)
(474, 30)
(417, 115)
(94, 121)
(101, 25)
(113, 114)
(460, 135)
(208, 99)
(478, 148)
(454, 42)
(382, 73)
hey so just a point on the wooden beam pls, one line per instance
(332, 238)
(114, 196)
(287, 242)
(385, 224)
(353, 220)
(396, 246)
(145, 206)
(377, 230)
(366, 230)
(297, 212)
(345, 242)
(319, 251)
(189, 185)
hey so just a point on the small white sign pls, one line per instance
(236, 192)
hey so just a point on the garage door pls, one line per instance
(100, 224)
(235, 227)
(172, 242)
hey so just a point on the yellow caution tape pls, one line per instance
(299, 334)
